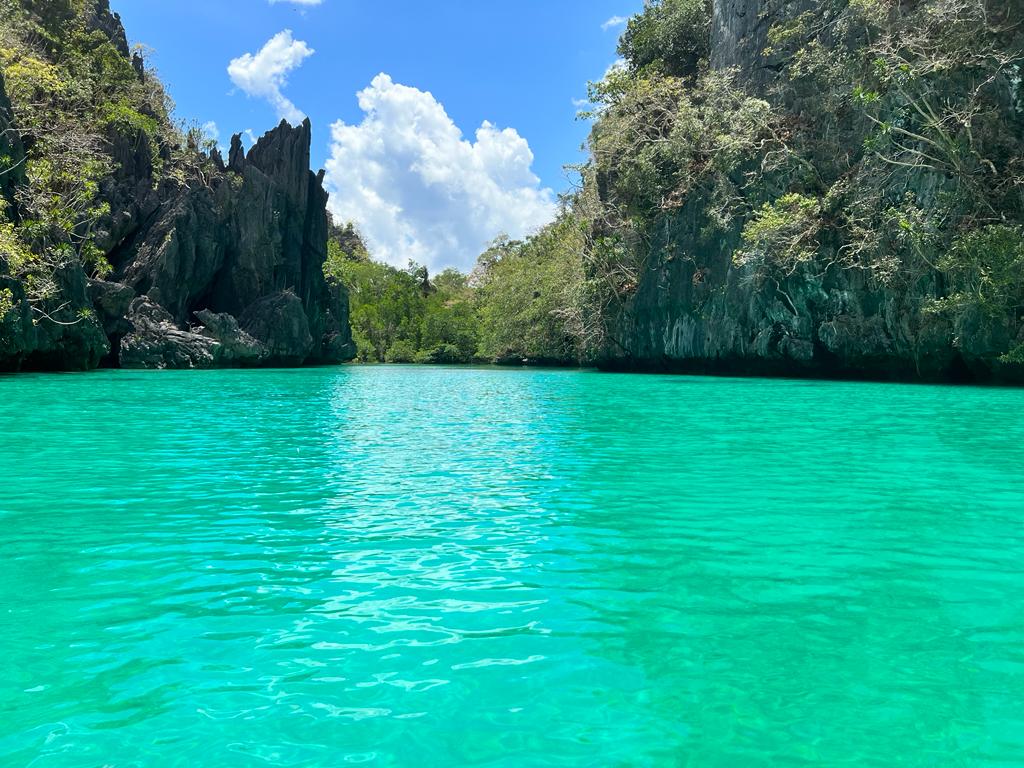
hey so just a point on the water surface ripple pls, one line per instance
(472, 567)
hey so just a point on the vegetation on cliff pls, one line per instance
(71, 85)
(860, 147)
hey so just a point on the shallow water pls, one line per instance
(473, 567)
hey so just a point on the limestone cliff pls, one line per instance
(695, 307)
(246, 243)
(186, 261)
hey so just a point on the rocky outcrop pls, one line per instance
(156, 341)
(102, 19)
(281, 322)
(213, 264)
(111, 302)
(248, 241)
(66, 334)
(703, 314)
(224, 268)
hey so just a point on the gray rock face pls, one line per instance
(111, 302)
(737, 31)
(17, 333)
(280, 321)
(59, 334)
(180, 255)
(705, 315)
(248, 242)
(739, 36)
(156, 341)
(68, 336)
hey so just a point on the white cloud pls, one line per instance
(211, 131)
(614, 21)
(265, 74)
(419, 190)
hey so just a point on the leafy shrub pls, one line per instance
(29, 79)
(671, 36)
(445, 354)
(6, 303)
(986, 268)
(122, 116)
(782, 235)
(660, 140)
(401, 351)
(14, 254)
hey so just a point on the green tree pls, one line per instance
(671, 36)
(529, 295)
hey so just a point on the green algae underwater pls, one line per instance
(424, 567)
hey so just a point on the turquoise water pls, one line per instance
(442, 567)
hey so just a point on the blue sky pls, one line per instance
(396, 162)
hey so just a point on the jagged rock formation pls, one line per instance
(212, 264)
(156, 341)
(696, 310)
(219, 270)
(246, 242)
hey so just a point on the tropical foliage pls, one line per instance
(517, 306)
(71, 91)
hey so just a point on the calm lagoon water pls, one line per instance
(471, 567)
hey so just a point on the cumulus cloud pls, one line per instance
(614, 21)
(420, 190)
(265, 73)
